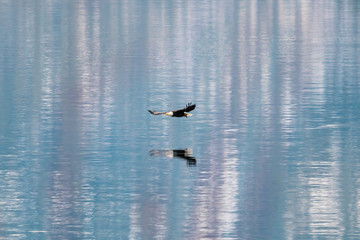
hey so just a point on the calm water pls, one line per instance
(271, 152)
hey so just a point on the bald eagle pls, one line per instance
(177, 113)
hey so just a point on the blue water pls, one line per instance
(271, 151)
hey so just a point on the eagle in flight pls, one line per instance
(177, 113)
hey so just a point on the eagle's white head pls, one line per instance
(169, 114)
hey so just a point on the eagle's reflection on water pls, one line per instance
(185, 154)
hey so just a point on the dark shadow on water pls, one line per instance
(185, 154)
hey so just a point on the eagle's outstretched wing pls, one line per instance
(189, 107)
(156, 113)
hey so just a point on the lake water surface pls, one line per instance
(271, 151)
